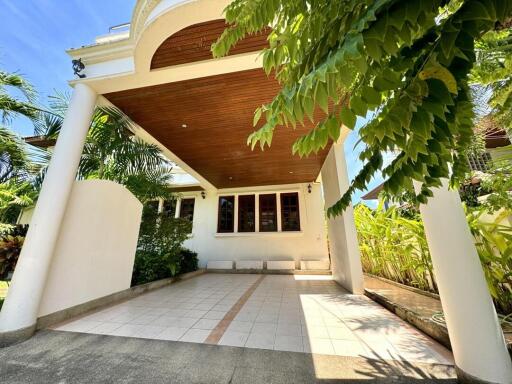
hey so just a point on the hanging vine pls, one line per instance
(404, 63)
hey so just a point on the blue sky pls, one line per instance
(34, 35)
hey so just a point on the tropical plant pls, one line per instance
(407, 61)
(11, 243)
(16, 166)
(494, 244)
(493, 71)
(188, 261)
(12, 106)
(159, 251)
(112, 152)
(395, 248)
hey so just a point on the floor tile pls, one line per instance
(206, 324)
(215, 315)
(240, 326)
(195, 336)
(262, 341)
(234, 338)
(289, 343)
(172, 333)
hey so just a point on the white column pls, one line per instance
(477, 340)
(19, 313)
(343, 245)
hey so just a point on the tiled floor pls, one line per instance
(309, 314)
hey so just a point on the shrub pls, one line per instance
(160, 246)
(395, 247)
(11, 242)
(188, 262)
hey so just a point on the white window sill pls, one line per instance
(260, 234)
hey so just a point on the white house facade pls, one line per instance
(255, 209)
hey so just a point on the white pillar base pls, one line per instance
(19, 312)
(343, 245)
(476, 337)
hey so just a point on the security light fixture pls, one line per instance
(309, 188)
(203, 194)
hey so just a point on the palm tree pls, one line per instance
(15, 165)
(11, 106)
(112, 152)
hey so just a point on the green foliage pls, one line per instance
(12, 106)
(188, 261)
(16, 166)
(113, 152)
(494, 245)
(406, 61)
(493, 69)
(11, 243)
(498, 181)
(395, 247)
(159, 251)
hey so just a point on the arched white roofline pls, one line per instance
(164, 19)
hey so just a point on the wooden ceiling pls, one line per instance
(206, 122)
(193, 44)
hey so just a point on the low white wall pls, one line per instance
(96, 247)
(308, 244)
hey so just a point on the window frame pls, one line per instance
(239, 212)
(179, 214)
(234, 197)
(276, 214)
(281, 196)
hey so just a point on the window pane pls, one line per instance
(187, 209)
(290, 216)
(268, 214)
(170, 208)
(246, 214)
(226, 214)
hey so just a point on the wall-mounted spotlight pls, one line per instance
(309, 188)
(203, 194)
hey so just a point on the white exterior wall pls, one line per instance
(308, 244)
(96, 246)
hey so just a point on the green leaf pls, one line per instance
(358, 106)
(434, 70)
(257, 116)
(371, 96)
(321, 96)
(348, 118)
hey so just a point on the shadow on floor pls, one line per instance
(66, 357)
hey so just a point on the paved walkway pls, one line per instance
(310, 314)
(67, 357)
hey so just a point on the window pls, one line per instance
(268, 214)
(226, 219)
(169, 208)
(246, 213)
(187, 209)
(290, 216)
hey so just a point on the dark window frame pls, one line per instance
(262, 227)
(283, 208)
(187, 200)
(241, 212)
(219, 206)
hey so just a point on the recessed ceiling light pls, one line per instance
(184, 125)
(290, 172)
(230, 178)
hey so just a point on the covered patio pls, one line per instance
(250, 208)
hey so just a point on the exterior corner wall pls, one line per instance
(96, 246)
